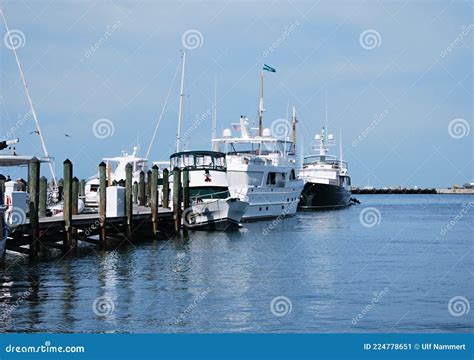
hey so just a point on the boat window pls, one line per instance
(292, 174)
(271, 178)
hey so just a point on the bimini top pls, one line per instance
(194, 160)
(16, 160)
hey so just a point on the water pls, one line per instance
(324, 272)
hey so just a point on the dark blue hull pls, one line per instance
(323, 197)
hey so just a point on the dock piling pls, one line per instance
(33, 204)
(166, 188)
(141, 189)
(102, 205)
(177, 199)
(154, 198)
(135, 192)
(128, 198)
(185, 196)
(148, 183)
(43, 196)
(67, 205)
(82, 188)
(75, 195)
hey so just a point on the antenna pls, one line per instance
(340, 148)
(162, 112)
(30, 101)
(326, 105)
(181, 96)
(214, 110)
(293, 122)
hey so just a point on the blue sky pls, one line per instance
(86, 61)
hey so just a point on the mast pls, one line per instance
(326, 106)
(260, 108)
(162, 112)
(214, 111)
(181, 96)
(293, 123)
(340, 148)
(32, 108)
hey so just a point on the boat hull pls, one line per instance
(268, 203)
(317, 196)
(219, 214)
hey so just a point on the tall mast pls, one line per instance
(293, 123)
(326, 106)
(214, 111)
(340, 148)
(181, 96)
(30, 101)
(260, 107)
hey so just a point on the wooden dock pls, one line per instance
(144, 217)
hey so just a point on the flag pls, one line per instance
(268, 68)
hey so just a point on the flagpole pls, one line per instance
(260, 110)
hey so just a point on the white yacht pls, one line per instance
(327, 182)
(115, 172)
(211, 205)
(262, 171)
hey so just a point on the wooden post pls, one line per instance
(128, 198)
(2, 191)
(166, 188)
(177, 199)
(60, 189)
(82, 188)
(185, 196)
(148, 183)
(75, 195)
(154, 198)
(33, 204)
(43, 196)
(135, 192)
(102, 205)
(67, 205)
(141, 189)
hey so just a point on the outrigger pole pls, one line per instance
(32, 108)
(260, 107)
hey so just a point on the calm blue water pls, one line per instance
(324, 272)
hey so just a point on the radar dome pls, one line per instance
(330, 137)
(317, 137)
(267, 132)
(227, 133)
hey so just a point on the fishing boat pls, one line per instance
(261, 168)
(211, 205)
(327, 182)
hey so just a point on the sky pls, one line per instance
(398, 77)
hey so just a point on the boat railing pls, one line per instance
(213, 196)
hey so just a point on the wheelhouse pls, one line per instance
(198, 160)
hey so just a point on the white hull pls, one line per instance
(265, 202)
(218, 214)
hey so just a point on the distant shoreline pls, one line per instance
(445, 191)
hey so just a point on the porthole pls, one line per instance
(260, 209)
(266, 208)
